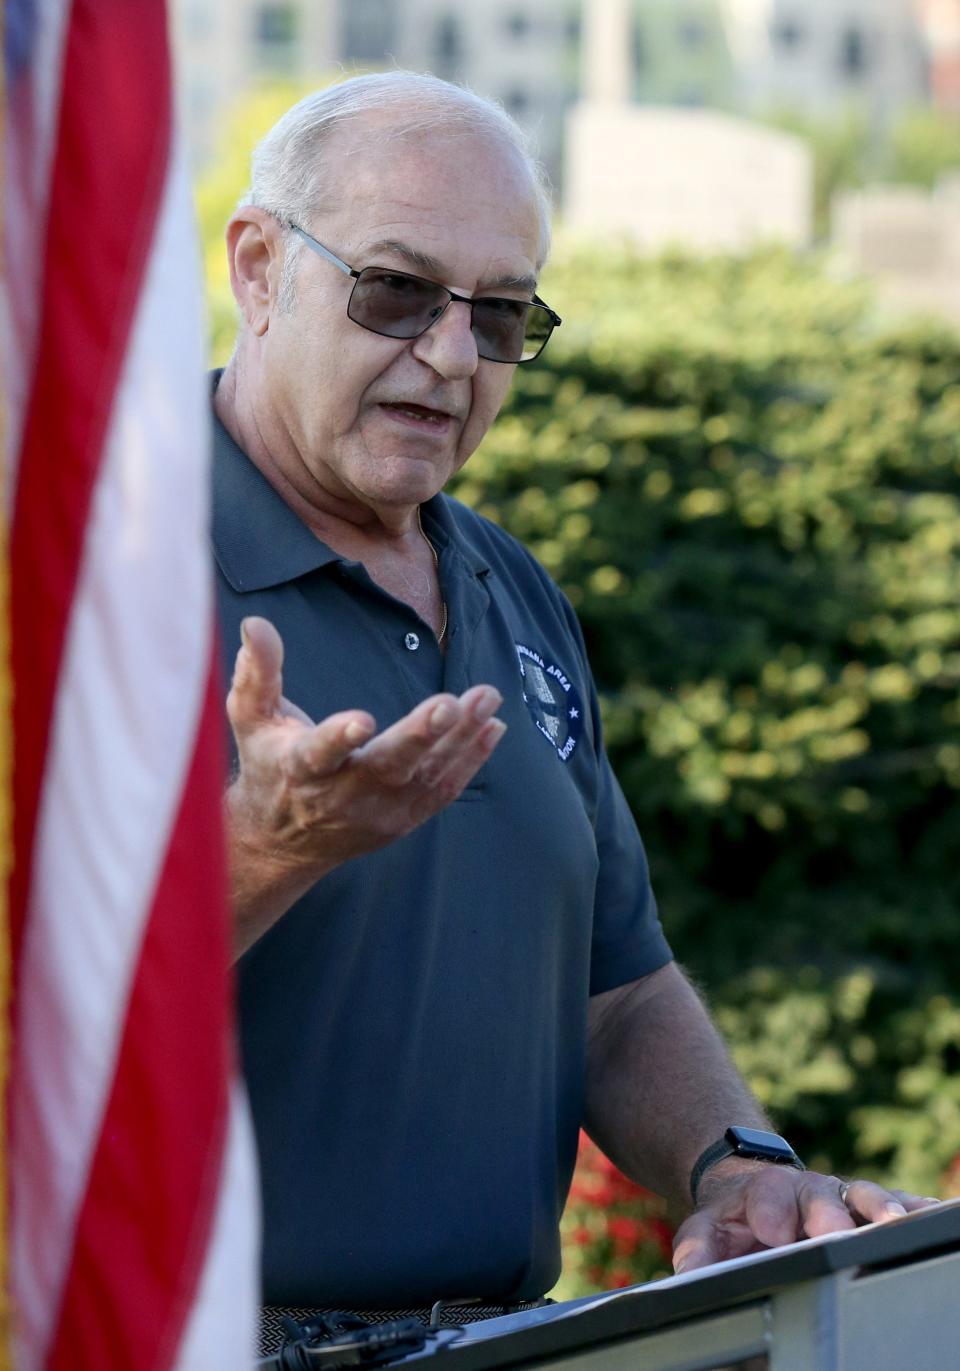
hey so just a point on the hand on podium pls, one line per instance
(747, 1207)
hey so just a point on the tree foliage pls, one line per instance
(750, 490)
(924, 146)
(918, 148)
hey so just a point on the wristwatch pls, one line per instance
(753, 1143)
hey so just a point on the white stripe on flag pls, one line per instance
(131, 690)
(222, 1329)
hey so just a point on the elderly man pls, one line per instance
(450, 952)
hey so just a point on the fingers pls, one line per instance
(774, 1206)
(440, 744)
(697, 1243)
(771, 1206)
(257, 686)
(822, 1207)
(774, 1210)
(912, 1203)
(706, 1237)
(324, 749)
(831, 1206)
(441, 740)
(870, 1203)
(460, 752)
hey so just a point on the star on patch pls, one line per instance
(574, 714)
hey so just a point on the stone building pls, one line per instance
(662, 175)
(819, 56)
(739, 56)
(522, 52)
(907, 240)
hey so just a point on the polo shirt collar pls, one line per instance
(443, 530)
(258, 541)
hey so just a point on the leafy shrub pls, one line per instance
(748, 482)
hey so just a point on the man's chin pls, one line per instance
(403, 481)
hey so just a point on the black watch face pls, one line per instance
(755, 1142)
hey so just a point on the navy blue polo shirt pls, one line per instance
(413, 1029)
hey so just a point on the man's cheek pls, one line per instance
(486, 407)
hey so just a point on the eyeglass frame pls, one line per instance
(536, 302)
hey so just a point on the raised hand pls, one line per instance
(309, 796)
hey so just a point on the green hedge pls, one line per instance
(748, 483)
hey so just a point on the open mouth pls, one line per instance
(419, 414)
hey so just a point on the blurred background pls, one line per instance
(740, 457)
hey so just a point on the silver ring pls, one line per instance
(844, 1190)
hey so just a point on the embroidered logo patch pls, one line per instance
(552, 700)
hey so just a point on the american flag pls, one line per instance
(133, 1214)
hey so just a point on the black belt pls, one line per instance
(443, 1314)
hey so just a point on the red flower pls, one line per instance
(615, 1232)
(662, 1234)
(603, 1196)
(626, 1234)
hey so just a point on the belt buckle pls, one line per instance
(439, 1306)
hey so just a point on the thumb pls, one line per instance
(695, 1244)
(257, 685)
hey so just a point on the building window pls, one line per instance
(638, 48)
(692, 32)
(787, 34)
(368, 30)
(516, 102)
(276, 25)
(853, 53)
(517, 24)
(447, 44)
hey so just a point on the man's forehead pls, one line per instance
(426, 264)
(414, 195)
(373, 133)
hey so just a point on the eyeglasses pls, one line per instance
(398, 305)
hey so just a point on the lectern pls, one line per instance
(882, 1298)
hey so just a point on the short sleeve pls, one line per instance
(628, 940)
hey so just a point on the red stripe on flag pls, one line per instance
(141, 1235)
(109, 171)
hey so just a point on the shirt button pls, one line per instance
(411, 642)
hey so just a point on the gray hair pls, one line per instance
(287, 175)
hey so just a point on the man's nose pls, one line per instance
(448, 346)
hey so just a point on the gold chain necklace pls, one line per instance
(436, 563)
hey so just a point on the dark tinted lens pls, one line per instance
(539, 328)
(397, 305)
(499, 327)
(510, 330)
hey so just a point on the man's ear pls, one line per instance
(255, 256)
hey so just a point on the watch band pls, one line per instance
(753, 1144)
(716, 1152)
